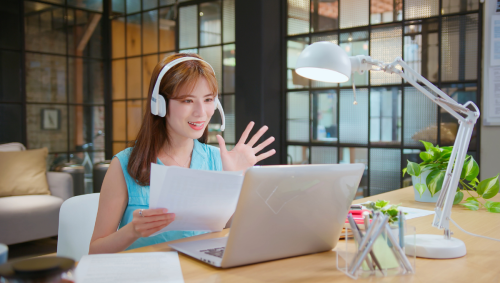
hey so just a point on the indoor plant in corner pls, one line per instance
(428, 179)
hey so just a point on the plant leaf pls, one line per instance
(447, 148)
(436, 153)
(474, 182)
(488, 188)
(471, 204)
(435, 181)
(413, 168)
(381, 203)
(427, 145)
(493, 206)
(404, 171)
(470, 170)
(420, 188)
(458, 197)
(425, 156)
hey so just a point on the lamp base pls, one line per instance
(434, 246)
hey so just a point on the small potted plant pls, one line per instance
(428, 177)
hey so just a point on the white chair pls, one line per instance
(76, 225)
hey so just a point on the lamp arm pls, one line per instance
(466, 118)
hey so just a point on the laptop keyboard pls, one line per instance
(218, 252)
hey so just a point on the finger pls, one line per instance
(222, 144)
(257, 136)
(263, 144)
(150, 212)
(146, 226)
(154, 230)
(245, 134)
(155, 218)
(265, 155)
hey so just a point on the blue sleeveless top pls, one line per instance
(205, 157)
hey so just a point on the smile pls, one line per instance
(196, 124)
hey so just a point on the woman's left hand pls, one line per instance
(243, 156)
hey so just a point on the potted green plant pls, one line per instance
(428, 177)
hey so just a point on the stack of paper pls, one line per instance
(201, 200)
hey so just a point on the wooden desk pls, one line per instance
(481, 264)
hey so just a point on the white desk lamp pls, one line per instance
(327, 62)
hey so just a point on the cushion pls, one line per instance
(23, 173)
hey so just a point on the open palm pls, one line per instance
(243, 156)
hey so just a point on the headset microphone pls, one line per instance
(158, 105)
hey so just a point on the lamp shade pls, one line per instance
(324, 61)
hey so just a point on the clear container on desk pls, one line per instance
(346, 250)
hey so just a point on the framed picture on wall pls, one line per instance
(51, 119)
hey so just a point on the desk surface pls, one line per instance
(479, 265)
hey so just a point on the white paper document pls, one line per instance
(415, 212)
(134, 267)
(201, 200)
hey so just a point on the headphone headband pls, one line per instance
(158, 105)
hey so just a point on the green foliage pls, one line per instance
(435, 162)
(383, 206)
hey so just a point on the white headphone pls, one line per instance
(160, 109)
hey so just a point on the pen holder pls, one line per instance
(382, 249)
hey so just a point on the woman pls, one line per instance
(178, 139)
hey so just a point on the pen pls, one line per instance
(401, 225)
(357, 236)
(366, 218)
(372, 254)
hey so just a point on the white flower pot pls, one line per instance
(426, 196)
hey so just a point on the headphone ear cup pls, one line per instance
(162, 108)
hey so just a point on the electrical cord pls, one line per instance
(493, 239)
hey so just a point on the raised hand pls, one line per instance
(243, 156)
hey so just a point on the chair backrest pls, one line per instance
(12, 146)
(76, 225)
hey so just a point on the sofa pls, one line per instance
(31, 217)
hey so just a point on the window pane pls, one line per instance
(133, 6)
(167, 29)
(323, 155)
(229, 107)
(150, 32)
(10, 76)
(229, 62)
(421, 49)
(459, 52)
(118, 6)
(86, 81)
(385, 170)
(349, 155)
(148, 65)
(324, 15)
(353, 121)
(385, 46)
(355, 43)
(412, 155)
(294, 47)
(449, 125)
(298, 116)
(134, 35)
(86, 127)
(385, 116)
(383, 11)
(10, 17)
(11, 123)
(44, 28)
(119, 121)
(417, 9)
(95, 5)
(324, 118)
(45, 78)
(134, 119)
(420, 119)
(134, 89)
(456, 6)
(149, 4)
(213, 55)
(47, 126)
(188, 27)
(228, 21)
(210, 23)
(118, 38)
(118, 83)
(354, 13)
(298, 16)
(333, 38)
(297, 154)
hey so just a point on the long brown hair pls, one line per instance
(153, 133)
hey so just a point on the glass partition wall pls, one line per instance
(144, 32)
(437, 38)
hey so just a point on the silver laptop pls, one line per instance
(283, 211)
